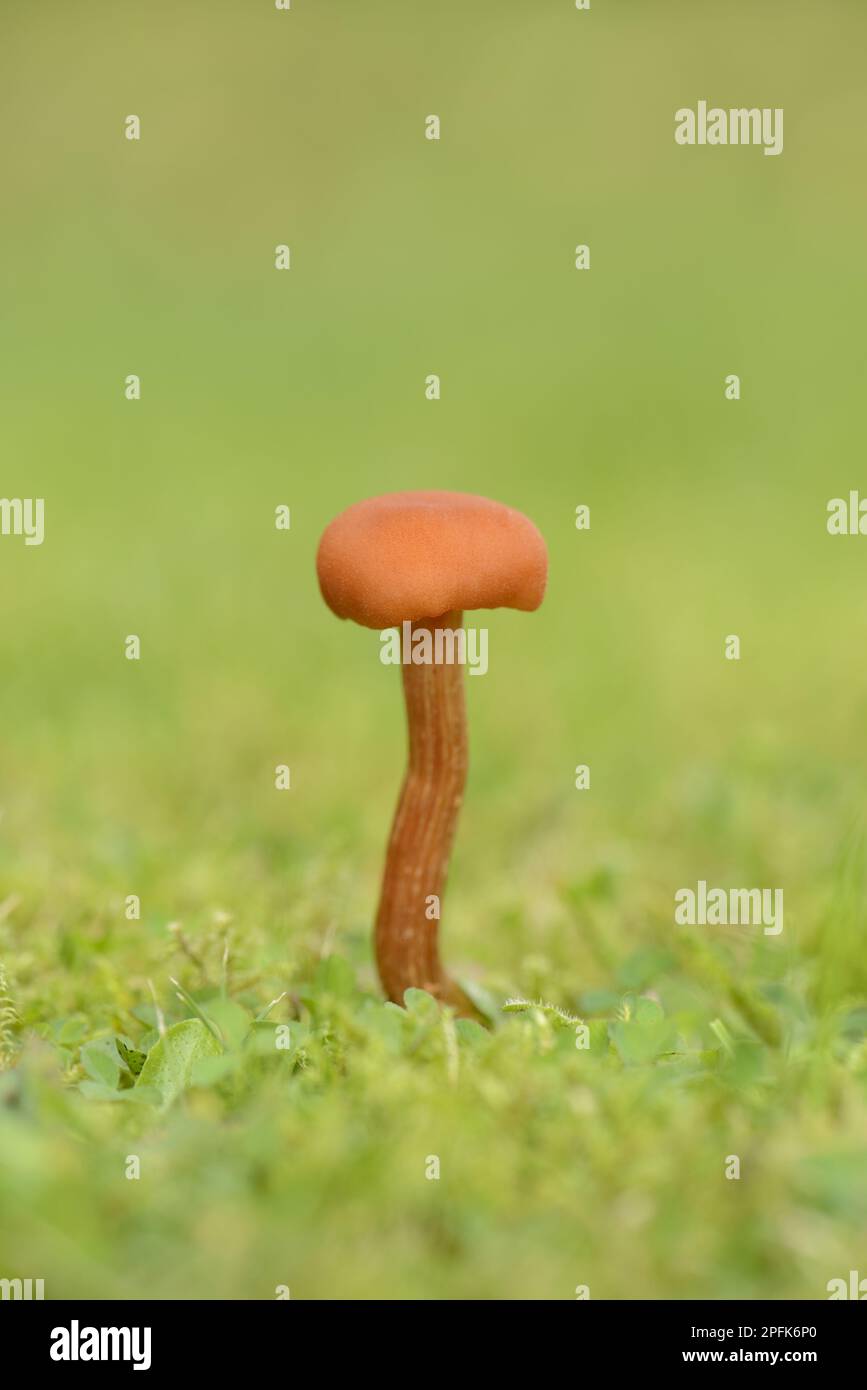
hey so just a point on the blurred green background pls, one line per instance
(604, 387)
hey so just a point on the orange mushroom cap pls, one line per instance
(417, 555)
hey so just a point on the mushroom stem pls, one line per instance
(417, 858)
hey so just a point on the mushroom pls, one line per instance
(417, 560)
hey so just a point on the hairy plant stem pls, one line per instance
(417, 858)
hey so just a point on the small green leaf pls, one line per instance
(648, 1011)
(170, 1062)
(421, 1005)
(233, 1021)
(97, 1090)
(133, 1059)
(552, 1012)
(471, 1033)
(517, 1006)
(99, 1064)
(643, 1033)
(389, 1024)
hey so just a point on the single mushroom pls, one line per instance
(421, 559)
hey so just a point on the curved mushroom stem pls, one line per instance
(417, 858)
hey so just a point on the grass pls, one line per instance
(305, 1164)
(285, 1134)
